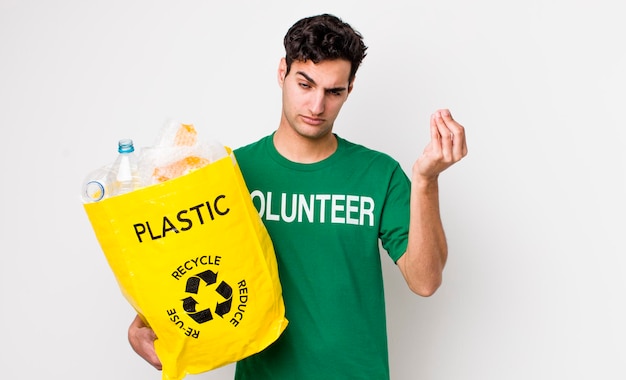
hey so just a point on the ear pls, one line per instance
(282, 71)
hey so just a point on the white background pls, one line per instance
(534, 287)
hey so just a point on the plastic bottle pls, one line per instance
(123, 176)
(96, 186)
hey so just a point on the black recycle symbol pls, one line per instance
(193, 285)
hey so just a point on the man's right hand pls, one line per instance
(141, 338)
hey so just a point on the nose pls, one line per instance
(316, 102)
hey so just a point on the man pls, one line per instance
(326, 202)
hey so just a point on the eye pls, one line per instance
(335, 92)
(304, 85)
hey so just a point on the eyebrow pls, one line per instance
(308, 78)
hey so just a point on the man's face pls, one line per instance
(313, 95)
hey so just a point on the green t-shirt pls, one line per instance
(325, 220)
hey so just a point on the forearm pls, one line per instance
(422, 264)
(427, 252)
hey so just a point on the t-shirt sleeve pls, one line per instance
(394, 222)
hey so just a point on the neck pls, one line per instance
(303, 149)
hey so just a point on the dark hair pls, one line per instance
(324, 37)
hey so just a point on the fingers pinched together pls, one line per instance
(446, 147)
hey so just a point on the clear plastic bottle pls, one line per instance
(123, 176)
(96, 186)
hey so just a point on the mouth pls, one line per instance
(312, 120)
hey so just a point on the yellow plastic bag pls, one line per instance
(194, 259)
